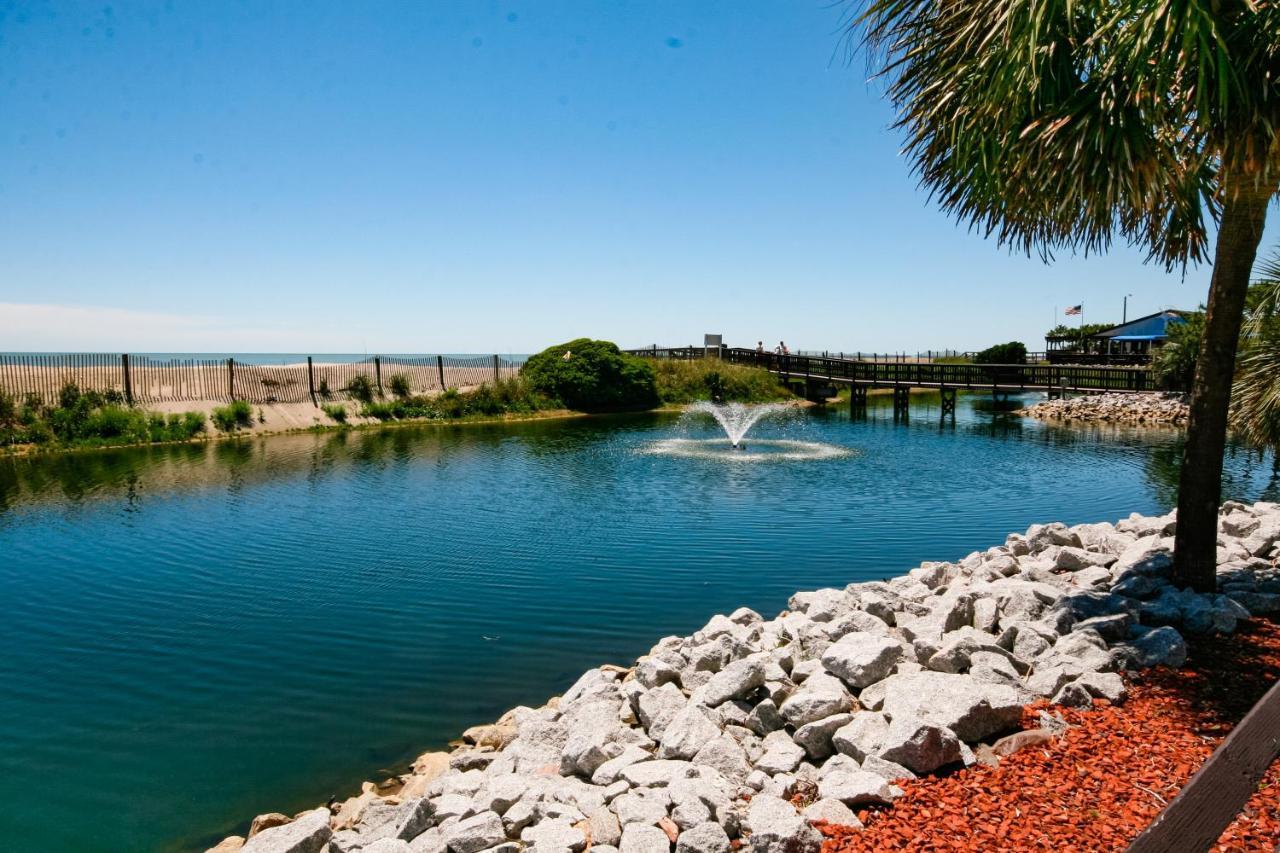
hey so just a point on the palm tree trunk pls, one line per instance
(1244, 212)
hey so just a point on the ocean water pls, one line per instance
(193, 635)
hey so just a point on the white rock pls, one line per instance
(820, 696)
(776, 827)
(861, 659)
(970, 708)
(639, 838)
(686, 733)
(857, 788)
(706, 837)
(553, 835)
(833, 812)
(918, 745)
(476, 833)
(862, 736)
(308, 833)
(815, 737)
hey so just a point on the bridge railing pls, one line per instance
(1004, 376)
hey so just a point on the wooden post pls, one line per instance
(128, 383)
(377, 372)
(496, 375)
(311, 382)
(440, 370)
(231, 378)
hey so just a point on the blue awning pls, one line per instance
(1137, 338)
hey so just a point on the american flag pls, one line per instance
(1075, 309)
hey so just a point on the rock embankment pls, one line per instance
(714, 738)
(1152, 409)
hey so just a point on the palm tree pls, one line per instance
(1058, 125)
(1255, 395)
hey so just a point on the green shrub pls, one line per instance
(592, 376)
(361, 388)
(1014, 352)
(175, 427)
(1173, 365)
(399, 385)
(337, 411)
(8, 409)
(229, 418)
(711, 379)
(381, 411)
(323, 389)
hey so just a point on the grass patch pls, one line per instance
(88, 419)
(508, 396)
(712, 379)
(337, 411)
(232, 417)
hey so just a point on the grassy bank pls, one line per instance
(681, 382)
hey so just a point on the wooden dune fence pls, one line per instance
(140, 379)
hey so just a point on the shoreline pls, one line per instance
(720, 734)
(327, 425)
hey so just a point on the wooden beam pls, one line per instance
(1221, 787)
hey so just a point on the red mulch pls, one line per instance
(1105, 780)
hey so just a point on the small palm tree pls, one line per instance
(1069, 124)
(1255, 395)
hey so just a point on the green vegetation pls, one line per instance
(508, 396)
(1173, 365)
(1255, 394)
(1077, 333)
(1073, 125)
(711, 379)
(337, 411)
(89, 419)
(1014, 352)
(361, 388)
(398, 384)
(592, 376)
(231, 417)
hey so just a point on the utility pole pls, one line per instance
(1124, 317)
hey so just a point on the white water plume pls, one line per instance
(737, 418)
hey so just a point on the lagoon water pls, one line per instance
(193, 635)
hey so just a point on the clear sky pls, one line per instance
(484, 176)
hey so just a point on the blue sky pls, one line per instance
(488, 176)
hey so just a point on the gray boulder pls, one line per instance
(815, 737)
(820, 696)
(309, 833)
(862, 659)
(708, 837)
(735, 681)
(776, 827)
(918, 745)
(833, 812)
(856, 788)
(863, 735)
(1159, 647)
(476, 833)
(640, 838)
(553, 836)
(970, 708)
(687, 732)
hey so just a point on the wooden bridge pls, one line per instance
(1000, 379)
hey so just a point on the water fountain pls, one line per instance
(737, 419)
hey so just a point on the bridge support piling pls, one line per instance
(948, 401)
(901, 402)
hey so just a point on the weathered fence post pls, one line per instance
(440, 370)
(231, 378)
(128, 384)
(495, 370)
(311, 382)
(377, 373)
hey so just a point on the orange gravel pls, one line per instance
(1105, 780)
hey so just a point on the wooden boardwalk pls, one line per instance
(999, 378)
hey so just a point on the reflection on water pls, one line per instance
(199, 633)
